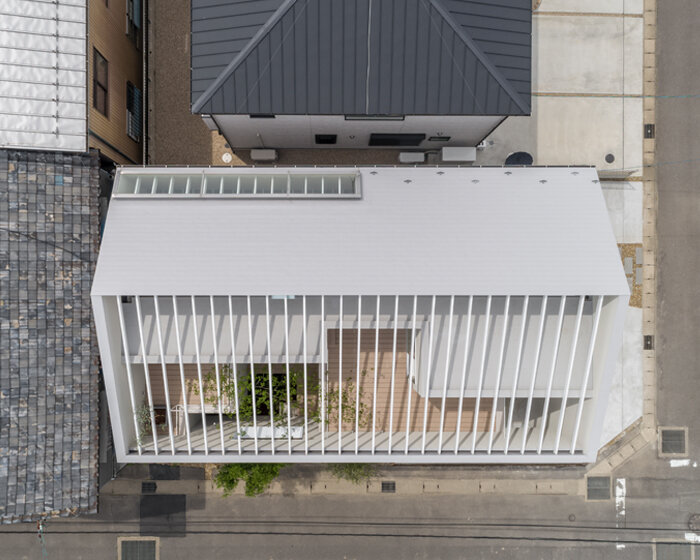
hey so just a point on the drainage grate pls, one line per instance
(673, 441)
(673, 551)
(138, 549)
(148, 487)
(648, 342)
(598, 488)
(649, 130)
(388, 487)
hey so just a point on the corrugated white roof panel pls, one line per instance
(44, 79)
(419, 231)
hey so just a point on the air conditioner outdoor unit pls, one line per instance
(458, 155)
(261, 154)
(411, 157)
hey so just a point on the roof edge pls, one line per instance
(241, 56)
(497, 75)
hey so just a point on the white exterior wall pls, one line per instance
(298, 131)
(43, 77)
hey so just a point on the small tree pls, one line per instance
(257, 477)
(354, 408)
(143, 421)
(263, 403)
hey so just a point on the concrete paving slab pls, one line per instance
(624, 202)
(581, 130)
(572, 130)
(633, 52)
(633, 126)
(626, 395)
(587, 54)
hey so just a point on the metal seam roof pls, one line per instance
(355, 57)
(421, 231)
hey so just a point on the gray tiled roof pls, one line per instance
(404, 57)
(48, 370)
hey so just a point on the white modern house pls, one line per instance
(419, 74)
(415, 315)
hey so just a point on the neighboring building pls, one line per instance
(43, 81)
(48, 352)
(53, 168)
(356, 74)
(62, 93)
(475, 314)
(115, 79)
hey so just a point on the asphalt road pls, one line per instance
(678, 140)
(345, 527)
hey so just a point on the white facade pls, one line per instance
(300, 131)
(43, 83)
(497, 293)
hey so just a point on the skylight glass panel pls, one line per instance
(238, 185)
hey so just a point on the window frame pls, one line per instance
(130, 112)
(133, 31)
(96, 55)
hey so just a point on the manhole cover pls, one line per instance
(694, 522)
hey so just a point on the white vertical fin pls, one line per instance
(129, 375)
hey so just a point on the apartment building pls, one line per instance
(115, 79)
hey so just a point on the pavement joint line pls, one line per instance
(588, 14)
(649, 387)
(595, 95)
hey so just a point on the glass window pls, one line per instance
(100, 83)
(133, 111)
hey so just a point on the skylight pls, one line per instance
(237, 185)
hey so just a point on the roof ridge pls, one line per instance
(478, 53)
(241, 56)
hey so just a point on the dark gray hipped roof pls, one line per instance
(363, 57)
(48, 353)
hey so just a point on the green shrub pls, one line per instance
(354, 472)
(257, 477)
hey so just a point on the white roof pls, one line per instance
(462, 231)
